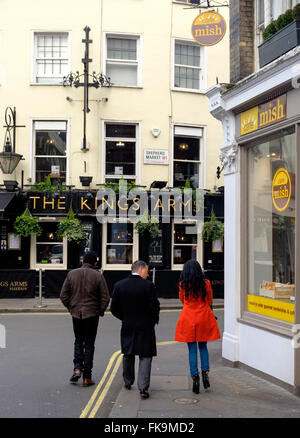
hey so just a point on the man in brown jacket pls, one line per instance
(86, 296)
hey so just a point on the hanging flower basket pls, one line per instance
(147, 225)
(213, 229)
(71, 228)
(26, 225)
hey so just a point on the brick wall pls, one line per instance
(241, 39)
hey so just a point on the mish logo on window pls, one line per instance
(263, 115)
(281, 189)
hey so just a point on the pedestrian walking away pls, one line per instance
(85, 294)
(135, 303)
(197, 323)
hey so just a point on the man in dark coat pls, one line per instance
(86, 296)
(135, 303)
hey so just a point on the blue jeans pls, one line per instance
(193, 357)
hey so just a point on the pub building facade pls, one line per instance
(115, 240)
(261, 123)
(151, 125)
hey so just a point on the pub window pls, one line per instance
(50, 151)
(120, 152)
(51, 57)
(186, 163)
(187, 66)
(49, 251)
(184, 244)
(123, 63)
(271, 226)
(119, 245)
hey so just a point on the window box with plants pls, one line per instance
(280, 36)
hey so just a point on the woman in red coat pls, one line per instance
(197, 323)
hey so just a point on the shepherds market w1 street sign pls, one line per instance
(208, 28)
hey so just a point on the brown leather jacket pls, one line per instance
(85, 292)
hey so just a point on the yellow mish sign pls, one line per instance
(263, 115)
(249, 121)
(281, 189)
(273, 308)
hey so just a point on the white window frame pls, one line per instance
(137, 141)
(201, 68)
(33, 252)
(199, 244)
(34, 54)
(57, 126)
(202, 153)
(138, 62)
(135, 247)
(185, 2)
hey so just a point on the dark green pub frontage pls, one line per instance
(116, 242)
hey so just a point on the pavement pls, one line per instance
(54, 305)
(234, 392)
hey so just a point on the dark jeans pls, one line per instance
(85, 331)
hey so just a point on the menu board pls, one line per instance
(155, 251)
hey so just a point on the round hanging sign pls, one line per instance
(281, 189)
(208, 28)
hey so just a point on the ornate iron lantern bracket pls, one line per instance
(9, 159)
(82, 80)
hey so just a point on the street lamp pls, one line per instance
(9, 159)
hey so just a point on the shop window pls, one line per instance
(48, 251)
(185, 245)
(187, 66)
(186, 163)
(123, 60)
(271, 226)
(50, 152)
(51, 57)
(120, 152)
(120, 245)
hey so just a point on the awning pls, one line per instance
(5, 200)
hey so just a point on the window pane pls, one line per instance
(49, 254)
(119, 233)
(187, 78)
(187, 54)
(120, 158)
(120, 131)
(50, 143)
(125, 75)
(180, 235)
(119, 254)
(271, 219)
(186, 148)
(182, 254)
(43, 169)
(49, 230)
(186, 171)
(121, 48)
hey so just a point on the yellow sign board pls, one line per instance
(281, 189)
(249, 121)
(266, 114)
(270, 307)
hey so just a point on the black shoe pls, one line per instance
(196, 384)
(127, 386)
(205, 379)
(144, 394)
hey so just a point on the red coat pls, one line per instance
(197, 322)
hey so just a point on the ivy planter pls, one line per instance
(280, 43)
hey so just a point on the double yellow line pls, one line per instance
(96, 400)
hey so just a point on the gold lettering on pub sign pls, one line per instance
(15, 285)
(263, 115)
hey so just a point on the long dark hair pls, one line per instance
(192, 279)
